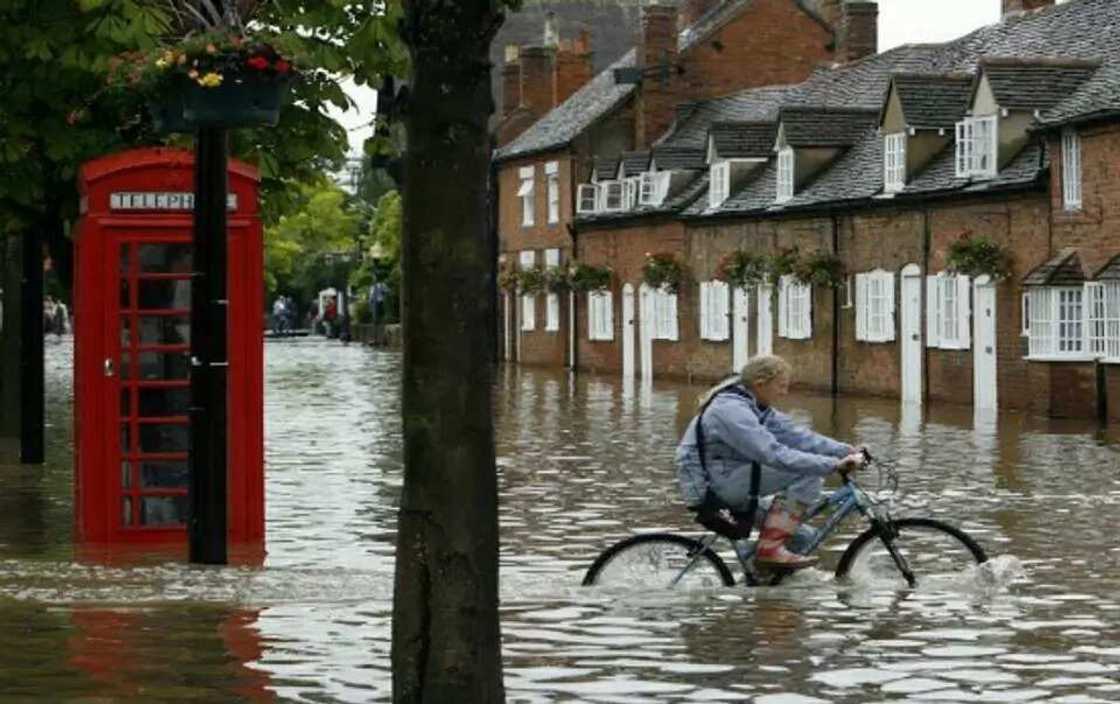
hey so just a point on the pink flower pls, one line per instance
(282, 66)
(257, 62)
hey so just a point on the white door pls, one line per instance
(628, 331)
(506, 331)
(765, 321)
(645, 330)
(911, 331)
(984, 343)
(741, 311)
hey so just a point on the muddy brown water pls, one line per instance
(583, 460)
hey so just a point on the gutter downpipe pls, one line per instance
(835, 312)
(926, 245)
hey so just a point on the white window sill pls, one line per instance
(1059, 358)
(714, 339)
(552, 329)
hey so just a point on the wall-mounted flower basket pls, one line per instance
(508, 280)
(558, 279)
(663, 271)
(533, 280)
(820, 269)
(585, 277)
(976, 256)
(784, 263)
(742, 269)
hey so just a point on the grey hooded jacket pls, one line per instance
(737, 432)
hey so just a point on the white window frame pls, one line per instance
(978, 147)
(715, 299)
(949, 311)
(1025, 315)
(631, 189)
(786, 168)
(587, 202)
(894, 162)
(1071, 169)
(875, 306)
(612, 197)
(528, 259)
(795, 309)
(552, 173)
(666, 324)
(525, 193)
(719, 183)
(600, 316)
(1059, 327)
(654, 187)
(552, 319)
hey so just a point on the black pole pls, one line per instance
(209, 357)
(32, 386)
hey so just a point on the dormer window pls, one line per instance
(654, 187)
(631, 188)
(720, 187)
(588, 199)
(894, 162)
(785, 174)
(612, 198)
(977, 144)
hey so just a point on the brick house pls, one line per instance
(693, 50)
(1009, 133)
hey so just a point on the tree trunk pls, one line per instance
(446, 636)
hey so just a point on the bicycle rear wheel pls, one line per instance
(659, 560)
(934, 551)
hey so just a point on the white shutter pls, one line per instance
(608, 315)
(722, 324)
(552, 323)
(863, 306)
(890, 324)
(783, 306)
(964, 310)
(806, 312)
(933, 312)
(668, 316)
(704, 305)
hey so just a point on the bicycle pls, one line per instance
(912, 546)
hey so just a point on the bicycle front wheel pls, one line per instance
(932, 551)
(659, 561)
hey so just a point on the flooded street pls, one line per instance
(584, 461)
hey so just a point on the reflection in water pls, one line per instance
(583, 461)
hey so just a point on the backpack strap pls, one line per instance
(712, 512)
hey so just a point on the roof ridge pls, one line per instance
(1053, 61)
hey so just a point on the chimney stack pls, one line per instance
(1012, 8)
(574, 66)
(511, 80)
(537, 78)
(859, 31)
(829, 10)
(657, 96)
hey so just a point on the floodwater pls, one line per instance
(584, 461)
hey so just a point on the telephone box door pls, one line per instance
(148, 376)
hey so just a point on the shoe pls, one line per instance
(780, 523)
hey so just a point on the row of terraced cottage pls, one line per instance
(884, 160)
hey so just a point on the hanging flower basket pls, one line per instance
(663, 271)
(508, 279)
(976, 256)
(820, 269)
(533, 281)
(214, 79)
(558, 279)
(742, 269)
(784, 263)
(585, 277)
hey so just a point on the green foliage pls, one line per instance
(558, 279)
(585, 277)
(509, 279)
(975, 256)
(533, 280)
(313, 247)
(820, 269)
(387, 227)
(784, 263)
(663, 271)
(742, 269)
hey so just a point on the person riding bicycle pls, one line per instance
(740, 427)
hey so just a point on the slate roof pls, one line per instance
(1035, 83)
(606, 167)
(939, 175)
(1065, 269)
(673, 158)
(564, 122)
(634, 163)
(823, 126)
(933, 101)
(1110, 271)
(756, 105)
(744, 140)
(673, 204)
(1097, 97)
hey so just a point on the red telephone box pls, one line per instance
(132, 349)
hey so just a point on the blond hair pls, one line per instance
(762, 369)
